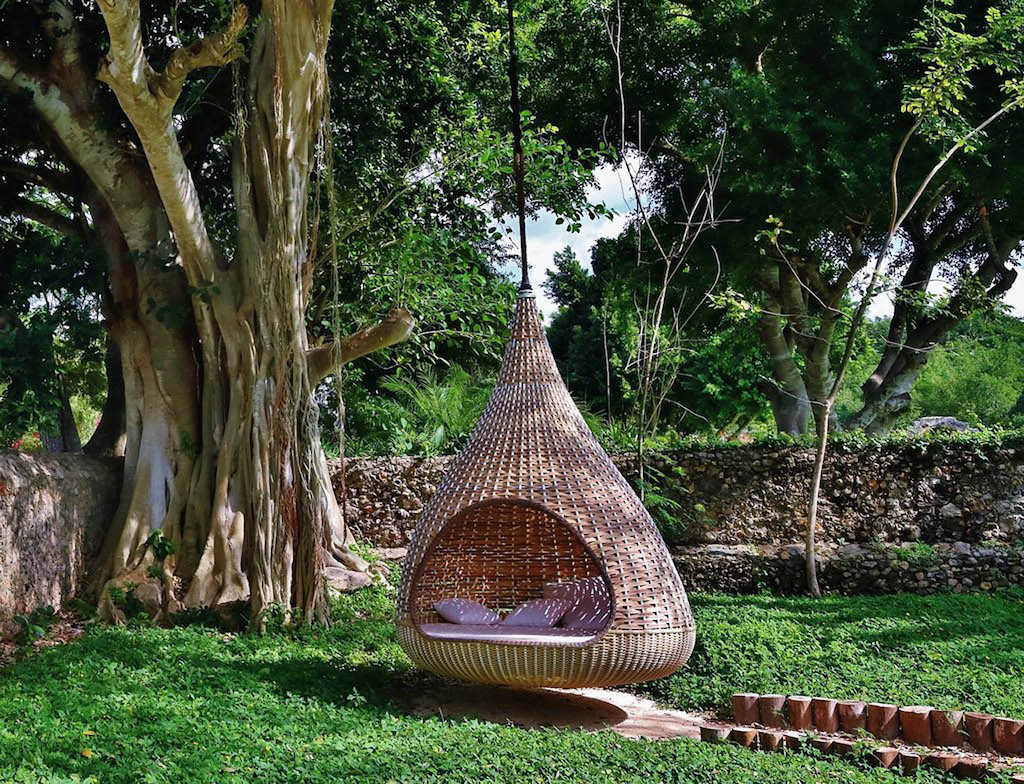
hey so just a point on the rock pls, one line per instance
(151, 594)
(924, 424)
(345, 580)
(950, 511)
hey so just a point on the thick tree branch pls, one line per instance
(41, 214)
(57, 181)
(81, 133)
(147, 99)
(214, 50)
(396, 327)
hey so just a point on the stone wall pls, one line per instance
(920, 491)
(924, 491)
(920, 517)
(852, 568)
(54, 510)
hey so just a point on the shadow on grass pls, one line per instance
(122, 665)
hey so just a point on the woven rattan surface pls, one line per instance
(552, 506)
(617, 658)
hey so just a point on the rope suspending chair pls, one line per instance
(534, 511)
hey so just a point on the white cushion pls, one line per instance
(465, 611)
(590, 604)
(538, 612)
(506, 635)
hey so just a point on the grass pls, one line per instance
(949, 650)
(190, 704)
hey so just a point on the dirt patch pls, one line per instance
(589, 710)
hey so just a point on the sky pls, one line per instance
(544, 238)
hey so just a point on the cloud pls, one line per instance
(544, 237)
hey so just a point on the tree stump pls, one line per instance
(1008, 736)
(820, 744)
(794, 740)
(842, 746)
(771, 740)
(772, 710)
(825, 713)
(910, 761)
(976, 768)
(979, 730)
(883, 720)
(799, 710)
(852, 716)
(744, 708)
(916, 724)
(948, 728)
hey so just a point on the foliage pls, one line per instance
(752, 79)
(50, 335)
(977, 375)
(315, 704)
(36, 624)
(421, 415)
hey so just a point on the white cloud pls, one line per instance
(544, 238)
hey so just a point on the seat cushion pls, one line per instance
(539, 612)
(508, 635)
(465, 611)
(590, 603)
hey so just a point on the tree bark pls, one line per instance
(65, 438)
(787, 392)
(109, 437)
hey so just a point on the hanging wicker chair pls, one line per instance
(533, 500)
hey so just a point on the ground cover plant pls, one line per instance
(949, 650)
(138, 703)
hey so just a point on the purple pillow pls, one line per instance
(465, 611)
(590, 604)
(538, 612)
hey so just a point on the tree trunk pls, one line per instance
(787, 393)
(226, 496)
(886, 401)
(65, 438)
(109, 437)
(810, 542)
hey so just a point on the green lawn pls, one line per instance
(950, 650)
(143, 704)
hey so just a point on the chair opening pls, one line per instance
(502, 553)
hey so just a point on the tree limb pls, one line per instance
(59, 182)
(41, 214)
(148, 101)
(394, 328)
(214, 50)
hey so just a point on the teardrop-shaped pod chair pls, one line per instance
(532, 502)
